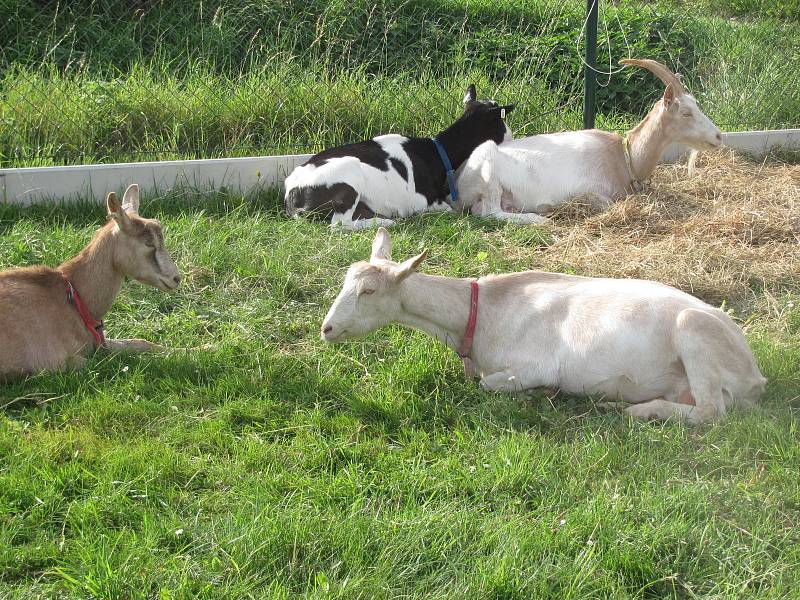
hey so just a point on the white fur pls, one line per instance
(539, 173)
(661, 350)
(533, 175)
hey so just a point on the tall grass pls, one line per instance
(97, 81)
(281, 109)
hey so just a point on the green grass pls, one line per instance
(275, 466)
(90, 81)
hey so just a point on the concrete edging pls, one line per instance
(31, 185)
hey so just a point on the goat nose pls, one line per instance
(327, 329)
(719, 137)
(177, 279)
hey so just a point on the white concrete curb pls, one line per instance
(41, 184)
(756, 143)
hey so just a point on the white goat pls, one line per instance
(50, 318)
(516, 179)
(661, 351)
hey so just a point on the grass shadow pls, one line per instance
(176, 202)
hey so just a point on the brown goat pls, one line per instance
(41, 328)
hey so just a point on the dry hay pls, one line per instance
(730, 230)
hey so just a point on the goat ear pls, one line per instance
(130, 201)
(115, 210)
(508, 107)
(669, 96)
(381, 246)
(471, 94)
(407, 267)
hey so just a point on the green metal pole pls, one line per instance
(589, 73)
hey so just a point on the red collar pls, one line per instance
(94, 327)
(466, 342)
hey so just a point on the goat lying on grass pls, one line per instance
(49, 318)
(523, 178)
(367, 184)
(662, 352)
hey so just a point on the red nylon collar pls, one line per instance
(93, 326)
(466, 342)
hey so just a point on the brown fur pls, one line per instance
(41, 331)
(647, 143)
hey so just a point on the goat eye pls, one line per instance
(366, 291)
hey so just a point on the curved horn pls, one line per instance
(659, 70)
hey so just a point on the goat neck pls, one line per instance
(93, 273)
(461, 138)
(439, 306)
(647, 142)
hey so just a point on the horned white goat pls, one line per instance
(523, 178)
(659, 350)
(49, 318)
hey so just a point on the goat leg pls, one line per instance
(132, 345)
(501, 381)
(75, 362)
(360, 224)
(521, 218)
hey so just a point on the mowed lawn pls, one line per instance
(272, 465)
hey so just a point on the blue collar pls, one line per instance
(451, 178)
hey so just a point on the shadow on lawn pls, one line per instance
(432, 402)
(179, 202)
(450, 401)
(267, 202)
(105, 372)
(175, 203)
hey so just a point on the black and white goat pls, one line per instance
(369, 183)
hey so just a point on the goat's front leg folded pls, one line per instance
(132, 345)
(521, 218)
(491, 205)
(439, 207)
(501, 381)
(362, 224)
(74, 362)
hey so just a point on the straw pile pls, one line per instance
(730, 231)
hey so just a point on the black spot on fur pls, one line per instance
(362, 211)
(320, 200)
(369, 152)
(429, 174)
(400, 168)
